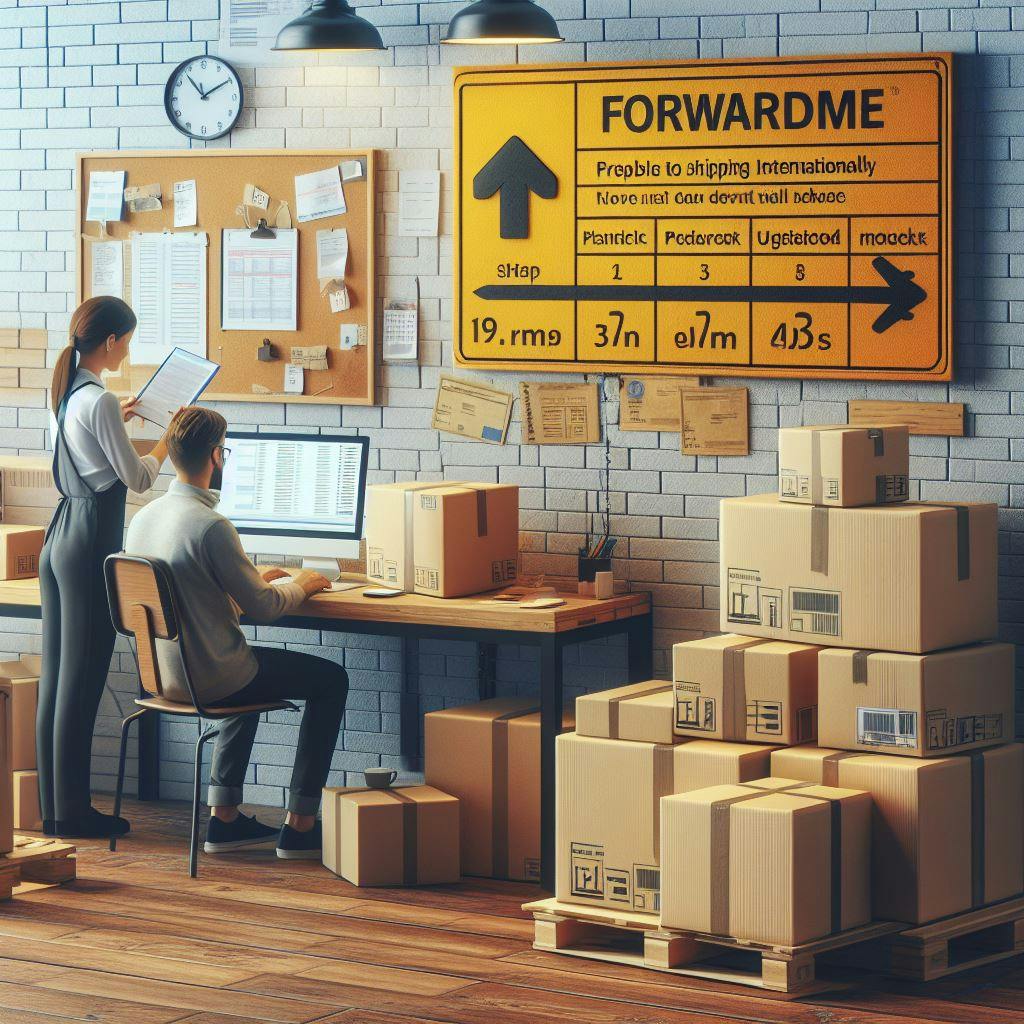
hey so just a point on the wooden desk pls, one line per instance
(479, 619)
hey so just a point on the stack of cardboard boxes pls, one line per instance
(20, 680)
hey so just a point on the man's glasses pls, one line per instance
(224, 452)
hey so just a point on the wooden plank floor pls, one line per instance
(255, 939)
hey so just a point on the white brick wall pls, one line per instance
(78, 75)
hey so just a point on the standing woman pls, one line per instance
(94, 463)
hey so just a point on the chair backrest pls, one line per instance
(141, 596)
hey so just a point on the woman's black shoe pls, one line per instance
(92, 825)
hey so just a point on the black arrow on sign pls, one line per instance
(900, 294)
(515, 171)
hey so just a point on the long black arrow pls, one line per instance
(515, 171)
(900, 294)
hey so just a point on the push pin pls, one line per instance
(265, 353)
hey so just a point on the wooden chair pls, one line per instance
(144, 607)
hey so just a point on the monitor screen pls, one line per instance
(295, 484)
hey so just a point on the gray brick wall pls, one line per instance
(76, 75)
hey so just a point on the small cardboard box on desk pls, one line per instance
(408, 835)
(445, 539)
(20, 547)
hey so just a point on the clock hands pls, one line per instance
(198, 88)
(215, 88)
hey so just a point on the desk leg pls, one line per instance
(149, 757)
(551, 701)
(640, 647)
(409, 708)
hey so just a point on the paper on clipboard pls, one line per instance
(714, 421)
(179, 380)
(651, 403)
(560, 413)
(472, 410)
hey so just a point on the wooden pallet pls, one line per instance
(43, 861)
(638, 940)
(947, 946)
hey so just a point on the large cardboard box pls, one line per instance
(488, 755)
(737, 688)
(639, 711)
(843, 465)
(947, 833)
(754, 861)
(23, 677)
(917, 705)
(912, 577)
(27, 816)
(608, 820)
(408, 835)
(6, 776)
(19, 551)
(445, 539)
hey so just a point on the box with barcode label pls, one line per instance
(917, 705)
(914, 577)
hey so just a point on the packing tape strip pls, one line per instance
(817, 485)
(830, 766)
(614, 702)
(819, 539)
(734, 696)
(977, 827)
(409, 570)
(499, 789)
(963, 533)
(664, 770)
(859, 668)
(410, 836)
(878, 437)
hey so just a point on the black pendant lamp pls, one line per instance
(503, 21)
(329, 25)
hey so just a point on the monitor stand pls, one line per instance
(325, 566)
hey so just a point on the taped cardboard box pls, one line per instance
(27, 816)
(752, 861)
(6, 776)
(23, 678)
(843, 465)
(917, 705)
(914, 577)
(488, 755)
(408, 835)
(19, 551)
(444, 539)
(947, 833)
(736, 688)
(640, 711)
(608, 820)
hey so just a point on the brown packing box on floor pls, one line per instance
(19, 551)
(27, 817)
(608, 818)
(488, 755)
(640, 711)
(947, 833)
(408, 835)
(6, 777)
(753, 861)
(913, 577)
(445, 539)
(737, 688)
(917, 705)
(24, 679)
(843, 465)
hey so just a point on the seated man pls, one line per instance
(215, 579)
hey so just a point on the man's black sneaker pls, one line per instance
(224, 836)
(295, 845)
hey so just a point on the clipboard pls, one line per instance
(188, 397)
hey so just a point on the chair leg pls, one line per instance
(193, 852)
(119, 791)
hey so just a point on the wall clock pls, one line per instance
(203, 97)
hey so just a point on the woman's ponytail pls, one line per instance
(92, 323)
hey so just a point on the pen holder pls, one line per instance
(587, 570)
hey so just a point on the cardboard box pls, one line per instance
(488, 755)
(947, 833)
(608, 820)
(27, 816)
(26, 482)
(19, 551)
(916, 705)
(408, 835)
(736, 688)
(912, 577)
(23, 678)
(754, 861)
(640, 711)
(445, 539)
(6, 776)
(843, 465)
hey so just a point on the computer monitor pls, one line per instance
(296, 494)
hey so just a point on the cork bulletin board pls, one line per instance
(221, 177)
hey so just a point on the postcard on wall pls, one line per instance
(560, 413)
(106, 196)
(319, 194)
(714, 421)
(419, 203)
(651, 403)
(472, 410)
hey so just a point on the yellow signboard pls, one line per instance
(786, 218)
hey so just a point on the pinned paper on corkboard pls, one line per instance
(309, 357)
(560, 413)
(651, 403)
(714, 421)
(143, 198)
